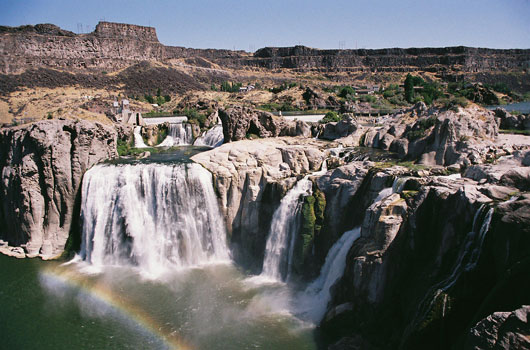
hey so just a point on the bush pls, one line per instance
(346, 90)
(331, 117)
(368, 98)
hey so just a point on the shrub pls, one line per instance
(331, 117)
(346, 90)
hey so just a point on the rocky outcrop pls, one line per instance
(510, 122)
(240, 123)
(502, 330)
(438, 137)
(422, 251)
(251, 177)
(42, 168)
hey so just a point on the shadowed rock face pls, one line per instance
(42, 168)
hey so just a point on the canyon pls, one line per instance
(409, 231)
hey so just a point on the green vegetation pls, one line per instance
(331, 117)
(230, 86)
(420, 128)
(346, 91)
(313, 210)
(514, 131)
(454, 102)
(194, 116)
(158, 98)
(161, 135)
(426, 92)
(282, 87)
(155, 114)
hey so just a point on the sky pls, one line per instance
(252, 24)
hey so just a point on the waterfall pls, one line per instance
(283, 231)
(312, 303)
(211, 138)
(179, 134)
(138, 140)
(154, 216)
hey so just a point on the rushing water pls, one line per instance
(283, 231)
(312, 303)
(179, 134)
(154, 271)
(211, 138)
(155, 216)
(138, 140)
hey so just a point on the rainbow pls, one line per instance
(105, 295)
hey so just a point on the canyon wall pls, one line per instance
(115, 45)
(42, 169)
(111, 46)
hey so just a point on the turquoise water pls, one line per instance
(45, 305)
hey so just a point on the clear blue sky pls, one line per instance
(252, 24)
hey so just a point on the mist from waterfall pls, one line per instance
(155, 216)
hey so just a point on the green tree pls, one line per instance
(409, 88)
(346, 90)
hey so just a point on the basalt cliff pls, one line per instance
(113, 46)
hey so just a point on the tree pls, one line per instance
(409, 88)
(346, 90)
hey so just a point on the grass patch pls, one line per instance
(514, 131)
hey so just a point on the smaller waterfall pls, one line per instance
(312, 303)
(179, 134)
(211, 138)
(138, 140)
(284, 227)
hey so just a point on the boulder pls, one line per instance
(501, 330)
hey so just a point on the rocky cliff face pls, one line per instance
(461, 58)
(242, 122)
(438, 137)
(111, 46)
(434, 258)
(439, 256)
(250, 178)
(116, 45)
(42, 168)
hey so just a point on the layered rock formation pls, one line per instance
(438, 137)
(42, 168)
(250, 178)
(242, 122)
(111, 46)
(430, 59)
(431, 261)
(116, 45)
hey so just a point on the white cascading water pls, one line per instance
(284, 227)
(155, 216)
(279, 250)
(312, 303)
(211, 138)
(138, 140)
(179, 134)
